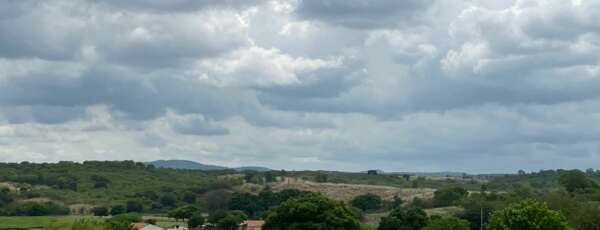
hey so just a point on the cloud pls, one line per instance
(196, 125)
(363, 14)
(344, 85)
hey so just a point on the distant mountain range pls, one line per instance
(185, 164)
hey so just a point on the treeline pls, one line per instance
(117, 185)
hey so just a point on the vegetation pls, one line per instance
(528, 215)
(311, 211)
(411, 218)
(367, 202)
(116, 192)
(451, 223)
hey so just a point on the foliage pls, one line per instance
(184, 212)
(451, 223)
(229, 220)
(411, 218)
(528, 215)
(134, 206)
(448, 196)
(100, 211)
(31, 208)
(256, 205)
(108, 183)
(587, 217)
(311, 211)
(321, 178)
(367, 202)
(122, 221)
(100, 181)
(195, 220)
(575, 181)
(117, 209)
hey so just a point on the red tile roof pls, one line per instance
(253, 223)
(138, 225)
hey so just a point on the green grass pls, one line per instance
(36, 222)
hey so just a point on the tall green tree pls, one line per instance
(367, 202)
(195, 220)
(411, 218)
(448, 196)
(575, 181)
(451, 223)
(528, 215)
(311, 212)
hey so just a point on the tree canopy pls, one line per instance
(311, 212)
(411, 218)
(367, 202)
(528, 215)
(451, 223)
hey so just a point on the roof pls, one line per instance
(138, 225)
(152, 227)
(253, 223)
(144, 226)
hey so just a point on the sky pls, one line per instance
(412, 85)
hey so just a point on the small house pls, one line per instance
(145, 226)
(177, 227)
(252, 225)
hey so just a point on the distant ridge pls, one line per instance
(192, 165)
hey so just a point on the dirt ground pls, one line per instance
(346, 192)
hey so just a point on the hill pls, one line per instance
(183, 164)
(192, 165)
(106, 183)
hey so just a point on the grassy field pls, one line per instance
(39, 222)
(36, 222)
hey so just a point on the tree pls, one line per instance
(134, 206)
(168, 200)
(184, 212)
(312, 211)
(100, 181)
(5, 197)
(448, 196)
(528, 215)
(451, 223)
(230, 221)
(575, 180)
(117, 209)
(396, 202)
(195, 220)
(367, 202)
(100, 211)
(587, 218)
(246, 202)
(217, 200)
(122, 221)
(411, 218)
(321, 177)
(189, 197)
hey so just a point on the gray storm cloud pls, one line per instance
(478, 86)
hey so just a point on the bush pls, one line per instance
(40, 209)
(367, 202)
(528, 215)
(448, 196)
(134, 206)
(100, 211)
(195, 220)
(451, 223)
(312, 211)
(117, 209)
(122, 221)
(412, 218)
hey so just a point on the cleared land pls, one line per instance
(346, 192)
